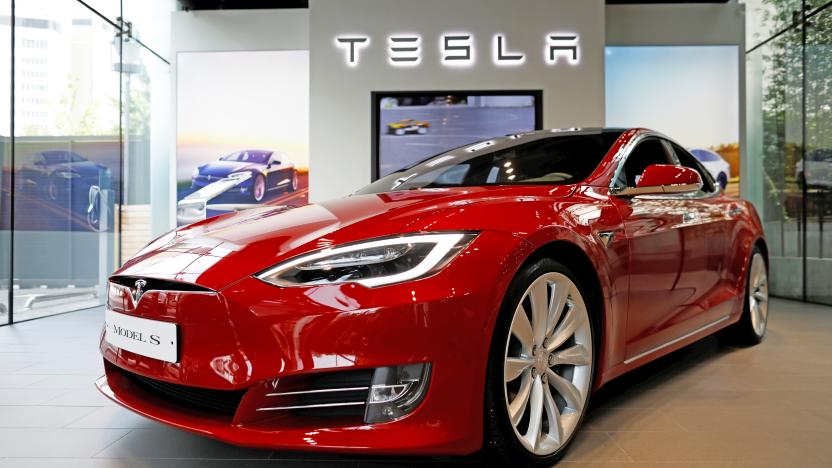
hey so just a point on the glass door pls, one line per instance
(815, 170)
(67, 163)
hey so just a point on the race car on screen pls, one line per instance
(476, 298)
(408, 126)
(260, 172)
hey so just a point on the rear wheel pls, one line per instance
(722, 180)
(541, 369)
(293, 185)
(751, 328)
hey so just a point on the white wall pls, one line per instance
(677, 24)
(340, 132)
(214, 31)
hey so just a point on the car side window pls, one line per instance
(648, 152)
(688, 160)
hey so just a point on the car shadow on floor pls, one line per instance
(654, 376)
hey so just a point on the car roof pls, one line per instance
(514, 139)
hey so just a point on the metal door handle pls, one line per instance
(688, 217)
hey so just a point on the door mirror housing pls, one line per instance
(659, 179)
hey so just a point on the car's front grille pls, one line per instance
(153, 284)
(330, 394)
(216, 401)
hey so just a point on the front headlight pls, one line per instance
(371, 263)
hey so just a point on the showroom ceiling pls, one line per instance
(252, 4)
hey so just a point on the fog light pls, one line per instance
(396, 391)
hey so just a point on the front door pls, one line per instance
(661, 233)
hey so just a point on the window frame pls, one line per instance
(624, 154)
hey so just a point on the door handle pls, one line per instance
(689, 217)
(734, 211)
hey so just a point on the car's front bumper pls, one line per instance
(253, 336)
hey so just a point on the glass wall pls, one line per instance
(76, 153)
(789, 99)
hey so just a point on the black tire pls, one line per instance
(743, 333)
(501, 444)
(722, 180)
(293, 184)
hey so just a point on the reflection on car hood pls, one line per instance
(223, 168)
(219, 251)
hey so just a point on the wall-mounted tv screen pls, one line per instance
(411, 126)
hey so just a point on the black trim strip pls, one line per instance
(97, 13)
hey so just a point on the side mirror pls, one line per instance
(660, 179)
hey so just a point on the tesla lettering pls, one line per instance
(405, 50)
(562, 44)
(350, 44)
(502, 56)
(457, 49)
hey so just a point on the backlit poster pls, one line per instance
(242, 131)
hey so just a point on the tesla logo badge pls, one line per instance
(139, 290)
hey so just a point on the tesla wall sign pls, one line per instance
(458, 49)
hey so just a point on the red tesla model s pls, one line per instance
(473, 300)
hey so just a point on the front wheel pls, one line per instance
(541, 366)
(258, 188)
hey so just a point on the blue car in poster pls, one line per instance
(69, 181)
(58, 174)
(261, 171)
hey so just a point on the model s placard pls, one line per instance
(415, 125)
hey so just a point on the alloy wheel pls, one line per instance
(758, 294)
(548, 363)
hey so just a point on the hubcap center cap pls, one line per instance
(541, 360)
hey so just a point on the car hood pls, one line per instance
(222, 250)
(223, 168)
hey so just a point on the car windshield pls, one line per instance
(556, 160)
(259, 157)
(704, 155)
(61, 157)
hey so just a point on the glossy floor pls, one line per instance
(704, 406)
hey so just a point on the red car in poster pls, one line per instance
(478, 297)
